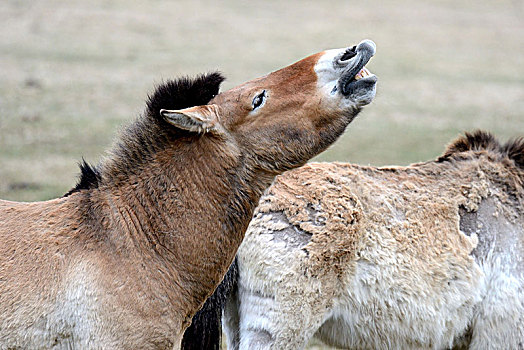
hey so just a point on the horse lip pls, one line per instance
(365, 50)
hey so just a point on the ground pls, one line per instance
(72, 72)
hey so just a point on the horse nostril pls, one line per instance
(350, 53)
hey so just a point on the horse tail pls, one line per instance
(205, 331)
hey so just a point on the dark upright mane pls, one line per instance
(89, 178)
(484, 141)
(150, 131)
(515, 150)
(183, 93)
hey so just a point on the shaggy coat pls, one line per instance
(425, 256)
(126, 258)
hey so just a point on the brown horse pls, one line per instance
(127, 257)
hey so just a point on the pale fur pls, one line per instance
(429, 256)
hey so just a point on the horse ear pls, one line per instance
(196, 119)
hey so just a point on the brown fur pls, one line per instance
(424, 256)
(474, 188)
(129, 255)
(480, 162)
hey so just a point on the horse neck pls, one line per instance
(189, 207)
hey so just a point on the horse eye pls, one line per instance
(259, 100)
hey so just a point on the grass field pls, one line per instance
(72, 72)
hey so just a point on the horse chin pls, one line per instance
(362, 91)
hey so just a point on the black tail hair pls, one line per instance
(205, 332)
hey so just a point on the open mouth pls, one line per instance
(363, 73)
(356, 75)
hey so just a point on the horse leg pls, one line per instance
(285, 319)
(499, 320)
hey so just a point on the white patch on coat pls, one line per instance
(64, 319)
(328, 74)
(74, 323)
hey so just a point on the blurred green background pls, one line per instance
(72, 72)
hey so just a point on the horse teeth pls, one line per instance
(362, 73)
